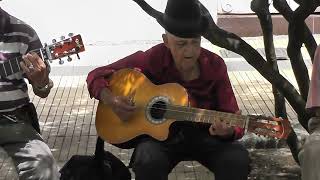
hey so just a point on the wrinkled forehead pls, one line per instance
(177, 38)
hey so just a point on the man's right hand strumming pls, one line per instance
(122, 106)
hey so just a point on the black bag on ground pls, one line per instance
(101, 166)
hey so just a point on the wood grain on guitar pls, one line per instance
(158, 106)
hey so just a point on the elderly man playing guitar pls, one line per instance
(203, 74)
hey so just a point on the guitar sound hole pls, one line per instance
(157, 110)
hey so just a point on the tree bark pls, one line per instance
(285, 10)
(295, 32)
(261, 8)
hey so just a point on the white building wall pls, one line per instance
(243, 6)
(97, 20)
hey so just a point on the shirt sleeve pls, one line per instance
(34, 42)
(96, 79)
(226, 99)
(314, 89)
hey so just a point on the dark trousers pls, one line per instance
(154, 160)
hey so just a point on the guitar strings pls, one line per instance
(209, 120)
(186, 109)
(206, 113)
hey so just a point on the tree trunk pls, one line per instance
(261, 8)
(285, 10)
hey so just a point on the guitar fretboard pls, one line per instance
(202, 115)
(12, 66)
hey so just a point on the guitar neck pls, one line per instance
(57, 50)
(185, 113)
(12, 66)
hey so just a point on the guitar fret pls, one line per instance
(4, 69)
(11, 67)
(15, 66)
(7, 68)
(18, 64)
(41, 54)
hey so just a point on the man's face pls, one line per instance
(185, 51)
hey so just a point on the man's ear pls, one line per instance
(165, 40)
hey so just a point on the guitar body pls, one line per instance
(145, 95)
(158, 106)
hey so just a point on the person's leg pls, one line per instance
(151, 161)
(227, 160)
(33, 160)
(31, 156)
(309, 163)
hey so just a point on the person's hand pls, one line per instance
(122, 106)
(35, 69)
(220, 128)
(314, 125)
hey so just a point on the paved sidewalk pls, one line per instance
(67, 115)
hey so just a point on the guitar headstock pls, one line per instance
(64, 48)
(269, 126)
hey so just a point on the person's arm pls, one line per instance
(313, 101)
(98, 84)
(43, 91)
(314, 122)
(227, 101)
(314, 88)
(96, 80)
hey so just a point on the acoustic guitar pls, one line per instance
(158, 106)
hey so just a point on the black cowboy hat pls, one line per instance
(181, 18)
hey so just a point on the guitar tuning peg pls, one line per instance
(69, 59)
(45, 44)
(54, 40)
(70, 34)
(61, 61)
(78, 56)
(62, 37)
